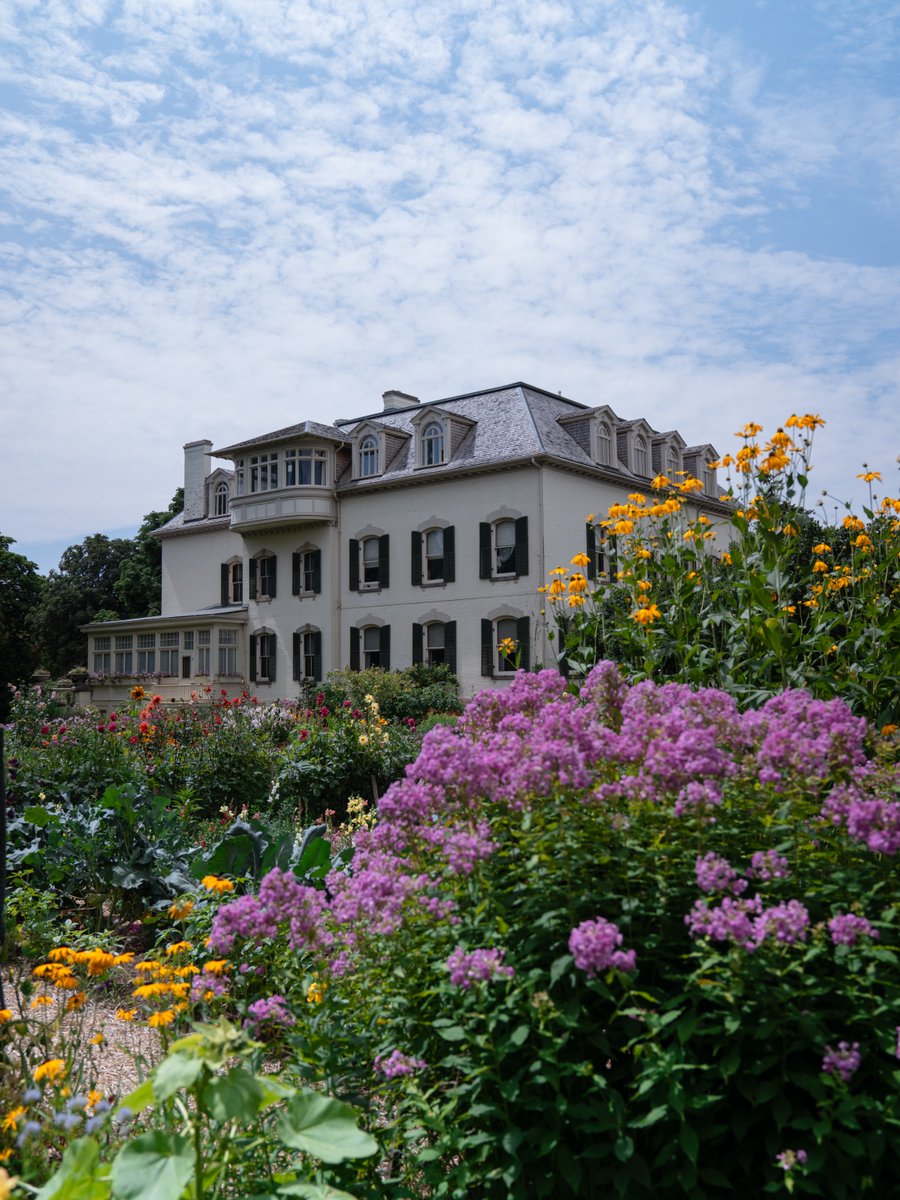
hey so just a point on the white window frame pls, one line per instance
(432, 445)
(369, 457)
(370, 565)
(433, 559)
(435, 643)
(370, 655)
(504, 627)
(604, 445)
(221, 498)
(227, 648)
(503, 554)
(641, 455)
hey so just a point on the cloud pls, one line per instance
(224, 216)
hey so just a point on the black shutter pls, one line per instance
(354, 649)
(450, 554)
(273, 576)
(522, 546)
(523, 637)
(253, 577)
(484, 551)
(590, 549)
(450, 645)
(298, 654)
(296, 580)
(316, 571)
(253, 660)
(273, 646)
(354, 571)
(416, 559)
(418, 644)
(316, 636)
(385, 647)
(226, 579)
(487, 645)
(384, 573)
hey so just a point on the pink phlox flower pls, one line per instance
(844, 1061)
(784, 923)
(468, 967)
(594, 945)
(716, 874)
(396, 1065)
(767, 865)
(847, 928)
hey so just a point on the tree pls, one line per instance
(84, 584)
(140, 578)
(101, 577)
(20, 593)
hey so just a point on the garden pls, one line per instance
(626, 928)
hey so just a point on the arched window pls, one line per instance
(368, 456)
(640, 456)
(432, 444)
(221, 499)
(673, 462)
(604, 445)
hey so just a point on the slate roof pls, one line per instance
(289, 434)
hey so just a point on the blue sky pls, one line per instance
(219, 217)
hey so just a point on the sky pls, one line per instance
(221, 217)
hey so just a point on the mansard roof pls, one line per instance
(289, 434)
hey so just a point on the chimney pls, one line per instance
(394, 399)
(197, 466)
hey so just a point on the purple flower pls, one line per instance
(271, 1010)
(788, 1159)
(844, 1061)
(477, 966)
(397, 1064)
(847, 928)
(594, 946)
(716, 874)
(786, 923)
(767, 865)
(730, 921)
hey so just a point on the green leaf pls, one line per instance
(519, 1035)
(236, 1094)
(315, 1191)
(689, 1142)
(451, 1033)
(650, 1118)
(559, 967)
(139, 1099)
(324, 1127)
(76, 1178)
(272, 1090)
(177, 1071)
(36, 814)
(155, 1166)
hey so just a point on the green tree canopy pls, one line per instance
(115, 577)
(20, 593)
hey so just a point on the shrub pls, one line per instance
(770, 599)
(632, 943)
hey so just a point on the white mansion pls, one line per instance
(419, 533)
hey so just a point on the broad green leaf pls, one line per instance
(689, 1141)
(155, 1166)
(324, 1127)
(36, 814)
(76, 1177)
(272, 1090)
(176, 1071)
(139, 1099)
(236, 1094)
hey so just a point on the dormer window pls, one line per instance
(368, 457)
(221, 500)
(432, 447)
(673, 462)
(604, 445)
(641, 462)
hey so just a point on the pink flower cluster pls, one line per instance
(282, 901)
(846, 929)
(271, 1010)
(844, 1061)
(746, 923)
(595, 947)
(396, 1065)
(468, 967)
